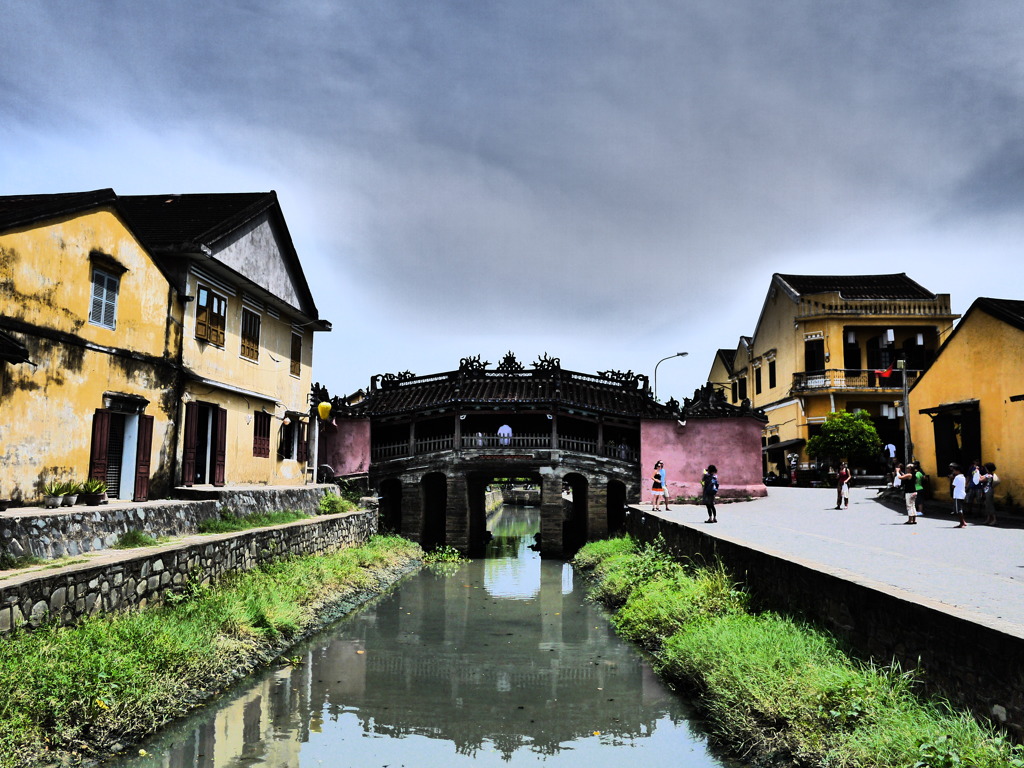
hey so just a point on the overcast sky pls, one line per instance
(606, 182)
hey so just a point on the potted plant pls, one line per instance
(52, 493)
(71, 491)
(94, 492)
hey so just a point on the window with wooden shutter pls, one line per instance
(261, 435)
(296, 368)
(103, 307)
(250, 334)
(211, 316)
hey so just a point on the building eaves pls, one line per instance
(894, 286)
(24, 210)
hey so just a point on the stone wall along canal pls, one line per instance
(500, 663)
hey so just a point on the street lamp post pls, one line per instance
(677, 354)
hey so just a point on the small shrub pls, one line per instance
(132, 539)
(230, 522)
(443, 554)
(332, 504)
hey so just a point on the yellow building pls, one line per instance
(970, 403)
(168, 342)
(96, 317)
(830, 343)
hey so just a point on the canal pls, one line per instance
(500, 661)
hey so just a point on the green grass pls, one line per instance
(231, 523)
(132, 539)
(119, 677)
(9, 562)
(774, 686)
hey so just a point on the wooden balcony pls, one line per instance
(847, 380)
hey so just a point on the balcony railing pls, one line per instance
(847, 379)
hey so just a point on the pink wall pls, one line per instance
(732, 444)
(345, 446)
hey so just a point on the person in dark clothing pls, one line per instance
(709, 485)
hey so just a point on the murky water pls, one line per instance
(502, 663)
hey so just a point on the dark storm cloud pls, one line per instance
(605, 166)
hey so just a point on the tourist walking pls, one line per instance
(958, 490)
(709, 484)
(989, 481)
(843, 487)
(909, 486)
(657, 486)
(974, 489)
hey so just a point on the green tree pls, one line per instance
(844, 435)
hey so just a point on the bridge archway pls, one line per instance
(390, 500)
(434, 490)
(577, 507)
(616, 507)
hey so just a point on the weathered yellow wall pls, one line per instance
(981, 362)
(46, 281)
(269, 376)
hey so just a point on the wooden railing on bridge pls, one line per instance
(508, 443)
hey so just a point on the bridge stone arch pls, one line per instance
(430, 445)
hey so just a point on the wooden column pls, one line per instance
(554, 431)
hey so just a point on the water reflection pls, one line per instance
(502, 663)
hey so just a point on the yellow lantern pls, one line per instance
(324, 409)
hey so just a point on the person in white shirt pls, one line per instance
(959, 492)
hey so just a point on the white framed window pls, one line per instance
(103, 307)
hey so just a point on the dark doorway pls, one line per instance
(616, 507)
(435, 510)
(390, 499)
(957, 437)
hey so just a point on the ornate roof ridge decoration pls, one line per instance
(472, 364)
(392, 380)
(709, 403)
(509, 364)
(626, 378)
(547, 363)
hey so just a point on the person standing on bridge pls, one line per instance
(505, 434)
(709, 484)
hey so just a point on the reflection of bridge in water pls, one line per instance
(447, 660)
(436, 442)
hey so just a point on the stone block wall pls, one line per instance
(130, 579)
(72, 531)
(972, 663)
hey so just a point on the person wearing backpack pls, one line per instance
(909, 486)
(709, 486)
(989, 481)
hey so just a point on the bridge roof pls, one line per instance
(512, 385)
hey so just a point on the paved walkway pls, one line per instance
(977, 572)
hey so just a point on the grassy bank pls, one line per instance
(774, 688)
(79, 691)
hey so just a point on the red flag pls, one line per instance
(886, 373)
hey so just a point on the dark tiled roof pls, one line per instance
(539, 389)
(728, 357)
(21, 210)
(1010, 311)
(897, 286)
(177, 222)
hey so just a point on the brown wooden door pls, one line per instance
(188, 459)
(100, 443)
(144, 450)
(220, 443)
